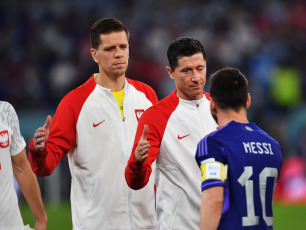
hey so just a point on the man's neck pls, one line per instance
(225, 117)
(113, 83)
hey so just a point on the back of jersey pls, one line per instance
(254, 161)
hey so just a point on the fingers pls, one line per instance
(143, 146)
(143, 158)
(145, 132)
(39, 141)
(47, 123)
(141, 152)
(41, 135)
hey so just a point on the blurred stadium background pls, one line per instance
(44, 51)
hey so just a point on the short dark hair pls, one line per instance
(105, 26)
(183, 47)
(229, 88)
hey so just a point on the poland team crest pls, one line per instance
(138, 113)
(4, 139)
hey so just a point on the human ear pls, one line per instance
(248, 102)
(212, 105)
(94, 55)
(170, 72)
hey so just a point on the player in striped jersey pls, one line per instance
(240, 163)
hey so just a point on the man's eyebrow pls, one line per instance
(110, 46)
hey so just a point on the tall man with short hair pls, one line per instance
(169, 132)
(240, 162)
(95, 126)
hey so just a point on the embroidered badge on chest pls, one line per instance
(138, 113)
(4, 139)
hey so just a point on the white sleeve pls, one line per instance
(17, 141)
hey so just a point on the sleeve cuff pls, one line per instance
(137, 167)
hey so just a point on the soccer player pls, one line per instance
(240, 162)
(95, 126)
(13, 160)
(169, 132)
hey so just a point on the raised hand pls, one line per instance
(143, 146)
(41, 135)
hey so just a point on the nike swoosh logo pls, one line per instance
(95, 125)
(178, 136)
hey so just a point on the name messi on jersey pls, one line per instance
(257, 147)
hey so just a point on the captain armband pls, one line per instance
(213, 170)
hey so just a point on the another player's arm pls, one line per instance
(46, 151)
(211, 208)
(212, 195)
(138, 169)
(38, 152)
(29, 188)
(214, 175)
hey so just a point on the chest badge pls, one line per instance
(4, 139)
(138, 113)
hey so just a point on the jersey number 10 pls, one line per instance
(251, 219)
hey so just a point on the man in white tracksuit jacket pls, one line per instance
(169, 132)
(95, 126)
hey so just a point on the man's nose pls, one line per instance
(195, 76)
(118, 53)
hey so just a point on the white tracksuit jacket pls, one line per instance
(175, 128)
(88, 126)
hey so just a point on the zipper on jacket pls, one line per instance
(125, 138)
(200, 119)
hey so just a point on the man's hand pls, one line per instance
(143, 146)
(40, 225)
(41, 135)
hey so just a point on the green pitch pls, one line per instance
(289, 217)
(59, 216)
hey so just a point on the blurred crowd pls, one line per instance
(44, 51)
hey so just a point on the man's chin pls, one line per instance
(119, 73)
(198, 94)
